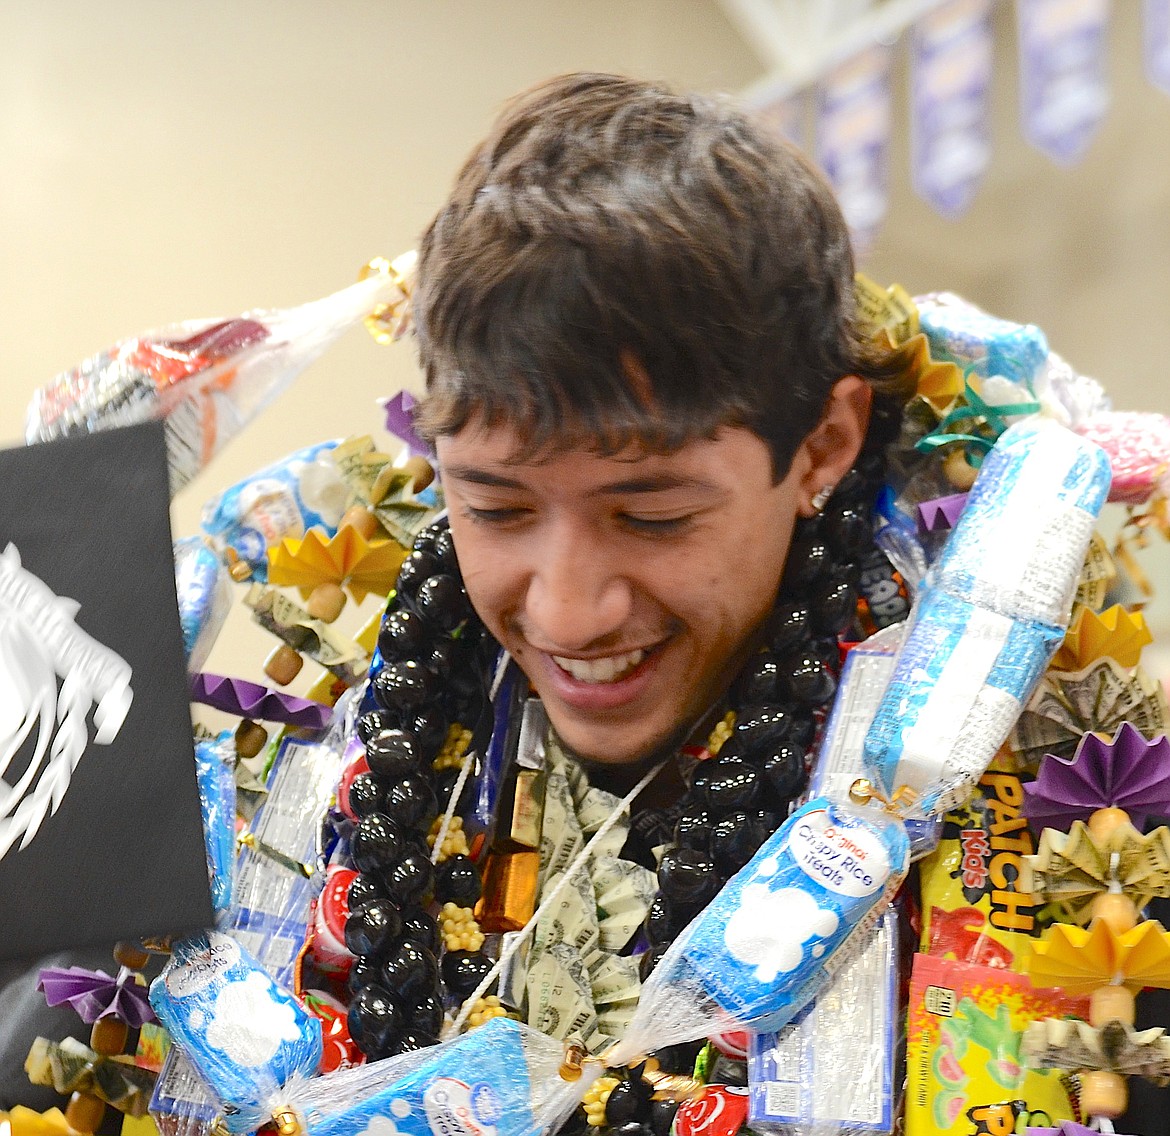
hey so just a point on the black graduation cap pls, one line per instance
(101, 835)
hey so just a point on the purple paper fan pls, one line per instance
(399, 410)
(95, 994)
(1128, 773)
(244, 699)
(941, 513)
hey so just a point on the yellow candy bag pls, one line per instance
(973, 909)
(964, 1071)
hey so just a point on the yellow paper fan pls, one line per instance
(348, 560)
(26, 1122)
(937, 382)
(1080, 960)
(1115, 632)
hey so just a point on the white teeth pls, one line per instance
(600, 670)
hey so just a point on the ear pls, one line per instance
(828, 453)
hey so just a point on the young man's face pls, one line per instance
(628, 588)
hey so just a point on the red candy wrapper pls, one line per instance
(973, 908)
(718, 1110)
(206, 378)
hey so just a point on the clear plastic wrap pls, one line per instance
(499, 1080)
(303, 490)
(245, 1035)
(992, 611)
(796, 1087)
(215, 772)
(839, 763)
(206, 378)
(1020, 541)
(962, 333)
(204, 590)
(773, 937)
(273, 892)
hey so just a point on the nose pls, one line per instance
(578, 595)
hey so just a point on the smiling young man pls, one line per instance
(635, 314)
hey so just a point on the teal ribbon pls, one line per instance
(993, 415)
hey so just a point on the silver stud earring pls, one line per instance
(821, 497)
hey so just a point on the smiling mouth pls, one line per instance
(612, 668)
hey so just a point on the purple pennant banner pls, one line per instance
(853, 122)
(950, 85)
(1156, 42)
(1064, 89)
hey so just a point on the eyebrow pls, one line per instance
(653, 483)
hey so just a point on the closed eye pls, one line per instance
(657, 526)
(494, 516)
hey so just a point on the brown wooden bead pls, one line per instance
(283, 665)
(1116, 910)
(85, 1112)
(1111, 1004)
(360, 518)
(420, 470)
(958, 471)
(1103, 1094)
(1105, 822)
(108, 1036)
(251, 738)
(325, 602)
(131, 955)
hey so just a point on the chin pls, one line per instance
(614, 748)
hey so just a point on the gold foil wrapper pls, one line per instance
(509, 891)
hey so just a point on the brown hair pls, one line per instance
(618, 263)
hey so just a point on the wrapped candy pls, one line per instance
(303, 490)
(500, 1080)
(959, 331)
(772, 938)
(206, 378)
(215, 773)
(1138, 445)
(245, 1035)
(964, 1067)
(1018, 546)
(205, 598)
(991, 613)
(852, 1023)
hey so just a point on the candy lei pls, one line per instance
(425, 713)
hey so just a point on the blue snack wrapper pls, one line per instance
(1021, 539)
(992, 611)
(301, 491)
(772, 938)
(959, 683)
(204, 591)
(245, 1035)
(499, 1080)
(215, 773)
(960, 332)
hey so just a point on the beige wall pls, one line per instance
(161, 161)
